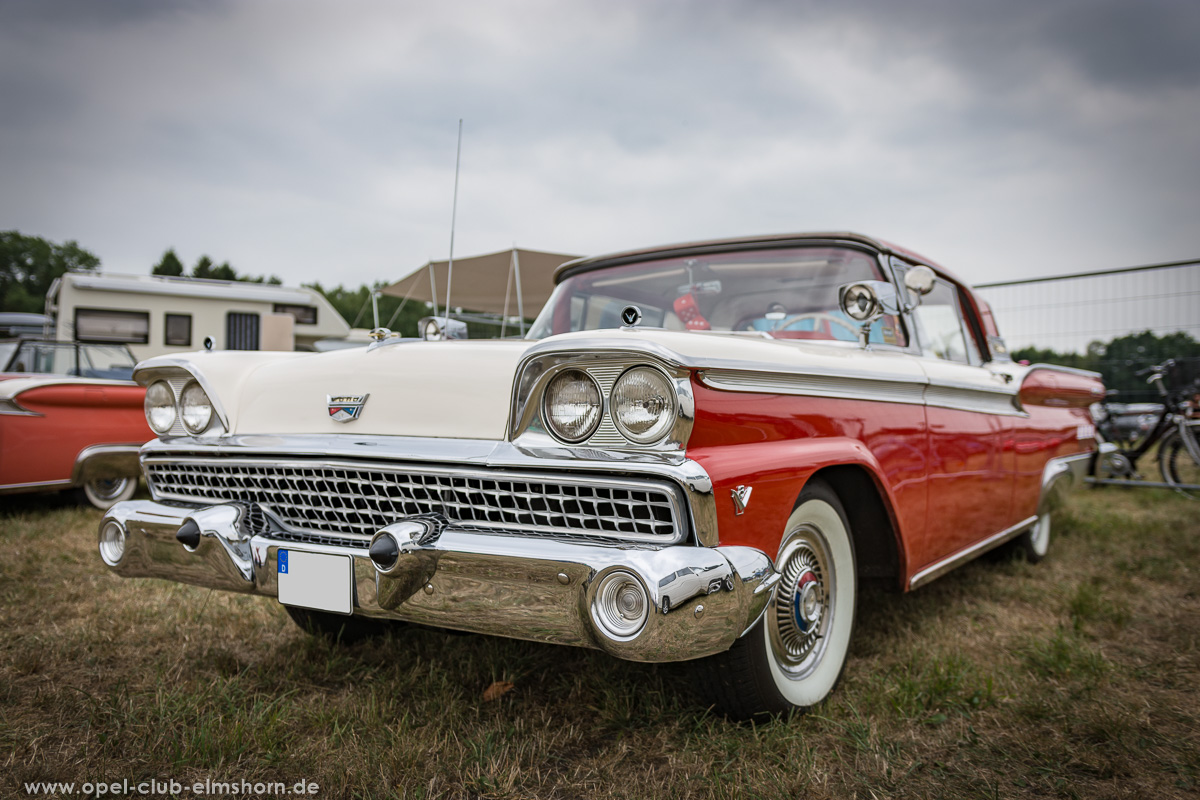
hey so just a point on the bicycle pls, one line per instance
(1175, 429)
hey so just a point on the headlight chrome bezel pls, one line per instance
(548, 419)
(666, 418)
(193, 387)
(172, 406)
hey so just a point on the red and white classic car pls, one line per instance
(68, 433)
(699, 454)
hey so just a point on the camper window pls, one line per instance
(106, 325)
(304, 315)
(178, 330)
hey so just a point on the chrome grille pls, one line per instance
(359, 498)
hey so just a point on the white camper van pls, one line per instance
(155, 314)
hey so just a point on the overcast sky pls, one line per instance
(316, 141)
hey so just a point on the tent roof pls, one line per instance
(481, 282)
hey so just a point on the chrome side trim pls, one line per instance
(1083, 373)
(102, 461)
(689, 476)
(1061, 475)
(940, 568)
(10, 407)
(912, 391)
(823, 385)
(36, 486)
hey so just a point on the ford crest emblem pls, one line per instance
(345, 408)
(631, 316)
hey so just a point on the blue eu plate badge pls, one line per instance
(315, 580)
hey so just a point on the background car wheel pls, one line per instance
(338, 628)
(104, 492)
(1035, 542)
(792, 659)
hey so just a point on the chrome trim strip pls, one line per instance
(1085, 373)
(940, 568)
(10, 407)
(816, 385)
(861, 386)
(17, 488)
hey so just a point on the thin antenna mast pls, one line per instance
(453, 215)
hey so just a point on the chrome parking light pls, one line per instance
(112, 542)
(620, 605)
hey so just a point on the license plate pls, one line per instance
(315, 580)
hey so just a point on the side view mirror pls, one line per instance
(919, 280)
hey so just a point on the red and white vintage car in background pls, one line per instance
(59, 432)
(699, 454)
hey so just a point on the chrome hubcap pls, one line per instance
(803, 603)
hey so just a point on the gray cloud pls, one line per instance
(316, 141)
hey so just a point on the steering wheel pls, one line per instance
(816, 315)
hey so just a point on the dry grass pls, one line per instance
(1073, 678)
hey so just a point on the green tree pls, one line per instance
(224, 272)
(29, 265)
(203, 268)
(355, 307)
(169, 264)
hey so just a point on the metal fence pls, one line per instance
(1067, 312)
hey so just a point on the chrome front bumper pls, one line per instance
(521, 587)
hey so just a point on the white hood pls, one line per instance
(456, 389)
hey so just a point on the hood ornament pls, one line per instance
(345, 408)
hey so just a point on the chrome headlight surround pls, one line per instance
(160, 407)
(642, 405)
(195, 409)
(177, 375)
(605, 361)
(572, 387)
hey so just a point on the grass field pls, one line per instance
(1077, 677)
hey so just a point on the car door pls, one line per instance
(969, 416)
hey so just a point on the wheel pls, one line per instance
(1176, 463)
(792, 659)
(1035, 542)
(104, 492)
(338, 628)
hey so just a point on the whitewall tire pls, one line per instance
(792, 659)
(105, 492)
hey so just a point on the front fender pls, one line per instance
(775, 472)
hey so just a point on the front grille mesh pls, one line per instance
(359, 499)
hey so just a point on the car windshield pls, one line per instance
(112, 361)
(784, 293)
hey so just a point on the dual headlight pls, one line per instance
(642, 405)
(193, 408)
